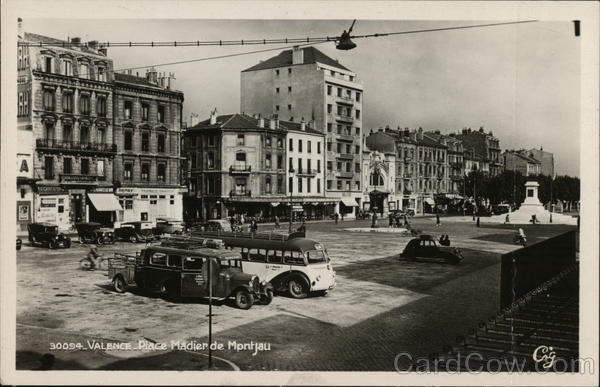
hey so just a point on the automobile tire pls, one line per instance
(67, 244)
(53, 245)
(297, 287)
(85, 264)
(133, 239)
(33, 240)
(243, 299)
(268, 298)
(100, 240)
(119, 284)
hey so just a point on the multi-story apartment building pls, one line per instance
(147, 132)
(304, 83)
(521, 161)
(546, 159)
(65, 156)
(242, 164)
(484, 146)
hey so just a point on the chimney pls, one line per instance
(297, 55)
(303, 125)
(93, 45)
(213, 117)
(272, 123)
(76, 41)
(194, 119)
(420, 133)
(20, 28)
(152, 76)
(261, 121)
(103, 51)
(406, 133)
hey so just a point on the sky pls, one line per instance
(522, 82)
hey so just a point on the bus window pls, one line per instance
(274, 256)
(257, 255)
(245, 252)
(158, 259)
(293, 258)
(192, 263)
(315, 256)
(174, 261)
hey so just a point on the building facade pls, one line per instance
(66, 153)
(521, 161)
(379, 164)
(305, 84)
(147, 133)
(484, 147)
(241, 164)
(546, 160)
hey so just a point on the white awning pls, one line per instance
(105, 202)
(274, 204)
(349, 202)
(429, 201)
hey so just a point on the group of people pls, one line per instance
(397, 220)
(444, 240)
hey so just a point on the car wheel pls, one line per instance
(267, 298)
(297, 287)
(243, 299)
(100, 240)
(119, 284)
(85, 264)
(133, 239)
(53, 245)
(33, 240)
(67, 244)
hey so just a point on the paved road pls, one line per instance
(381, 306)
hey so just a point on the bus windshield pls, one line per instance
(316, 256)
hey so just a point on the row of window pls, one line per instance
(145, 143)
(86, 135)
(300, 148)
(301, 187)
(299, 164)
(72, 68)
(344, 111)
(144, 111)
(49, 103)
(340, 185)
(343, 148)
(341, 166)
(68, 169)
(343, 129)
(344, 93)
(161, 171)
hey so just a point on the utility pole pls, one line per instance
(291, 187)
(209, 262)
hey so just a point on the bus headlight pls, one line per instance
(318, 277)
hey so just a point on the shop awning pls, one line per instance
(104, 202)
(275, 204)
(349, 202)
(429, 201)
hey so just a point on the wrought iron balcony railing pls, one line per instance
(234, 193)
(240, 169)
(77, 178)
(76, 146)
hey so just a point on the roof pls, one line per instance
(245, 121)
(524, 156)
(140, 81)
(204, 252)
(311, 55)
(46, 39)
(381, 142)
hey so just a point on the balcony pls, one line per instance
(344, 175)
(344, 99)
(80, 179)
(345, 137)
(74, 146)
(344, 118)
(307, 173)
(234, 193)
(345, 156)
(407, 176)
(240, 169)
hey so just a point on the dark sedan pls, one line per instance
(426, 248)
(47, 234)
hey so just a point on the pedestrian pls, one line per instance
(277, 221)
(477, 221)
(254, 226)
(507, 219)
(437, 220)
(521, 237)
(391, 221)
(342, 216)
(336, 216)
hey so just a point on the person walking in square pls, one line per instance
(277, 222)
(336, 216)
(437, 220)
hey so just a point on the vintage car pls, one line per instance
(94, 233)
(46, 234)
(500, 209)
(426, 248)
(168, 226)
(213, 225)
(178, 273)
(19, 243)
(139, 231)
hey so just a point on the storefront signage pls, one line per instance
(129, 191)
(102, 189)
(48, 202)
(50, 189)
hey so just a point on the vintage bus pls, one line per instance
(292, 263)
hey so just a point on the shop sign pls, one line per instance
(102, 189)
(50, 189)
(130, 191)
(48, 202)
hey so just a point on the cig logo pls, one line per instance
(544, 355)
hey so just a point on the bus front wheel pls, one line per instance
(297, 287)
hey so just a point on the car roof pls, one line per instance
(44, 224)
(204, 252)
(168, 219)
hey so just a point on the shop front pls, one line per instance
(104, 208)
(53, 206)
(147, 204)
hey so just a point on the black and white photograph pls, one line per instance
(341, 193)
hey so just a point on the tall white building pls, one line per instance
(305, 84)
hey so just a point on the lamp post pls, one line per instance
(291, 188)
